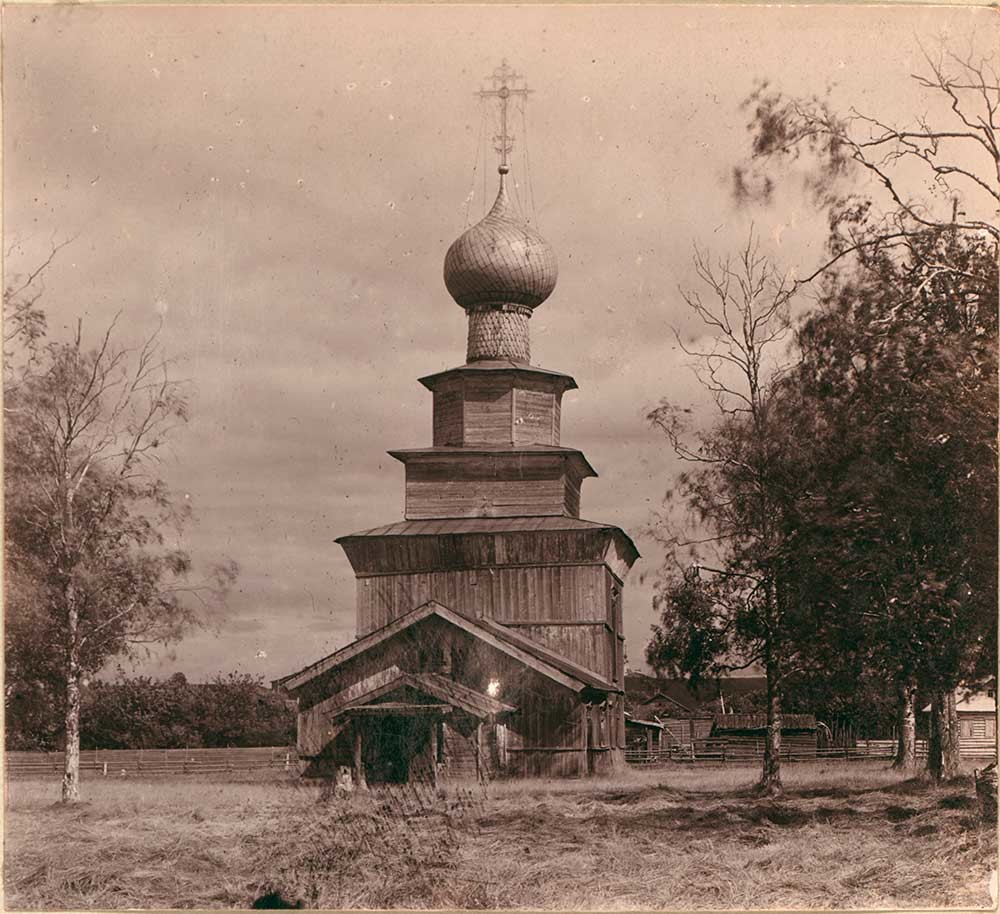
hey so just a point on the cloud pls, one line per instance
(226, 170)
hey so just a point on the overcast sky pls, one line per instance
(279, 184)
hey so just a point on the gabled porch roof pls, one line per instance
(450, 694)
(533, 655)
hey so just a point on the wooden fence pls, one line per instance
(123, 762)
(969, 747)
(724, 751)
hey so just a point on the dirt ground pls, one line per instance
(678, 838)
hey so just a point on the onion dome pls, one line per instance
(500, 261)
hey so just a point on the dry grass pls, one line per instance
(676, 838)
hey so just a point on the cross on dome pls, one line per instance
(501, 268)
(504, 86)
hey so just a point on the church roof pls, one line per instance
(530, 653)
(483, 525)
(576, 456)
(446, 691)
(488, 365)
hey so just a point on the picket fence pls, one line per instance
(124, 762)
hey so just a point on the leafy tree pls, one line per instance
(88, 521)
(139, 713)
(942, 170)
(236, 710)
(24, 322)
(897, 388)
(915, 206)
(732, 611)
(142, 713)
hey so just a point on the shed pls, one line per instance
(748, 731)
(977, 721)
(682, 725)
(643, 735)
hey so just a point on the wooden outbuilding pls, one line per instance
(643, 735)
(489, 621)
(977, 721)
(681, 725)
(746, 732)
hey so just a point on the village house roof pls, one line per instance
(529, 652)
(973, 701)
(635, 721)
(642, 690)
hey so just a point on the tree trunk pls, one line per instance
(71, 772)
(943, 752)
(906, 723)
(770, 778)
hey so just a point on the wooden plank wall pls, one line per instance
(799, 743)
(427, 499)
(496, 409)
(552, 731)
(522, 594)
(460, 754)
(448, 414)
(572, 497)
(535, 421)
(586, 645)
(487, 411)
(533, 599)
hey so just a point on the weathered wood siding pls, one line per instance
(535, 420)
(488, 411)
(429, 498)
(497, 408)
(522, 594)
(449, 411)
(616, 626)
(488, 485)
(572, 495)
(618, 557)
(586, 645)
(546, 736)
(682, 731)
(797, 743)
(550, 736)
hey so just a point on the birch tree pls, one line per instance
(728, 609)
(88, 519)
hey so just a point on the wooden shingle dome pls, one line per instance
(500, 261)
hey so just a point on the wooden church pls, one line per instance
(489, 620)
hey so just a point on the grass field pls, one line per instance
(676, 838)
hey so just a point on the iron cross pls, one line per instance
(504, 79)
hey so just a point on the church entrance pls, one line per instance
(396, 749)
